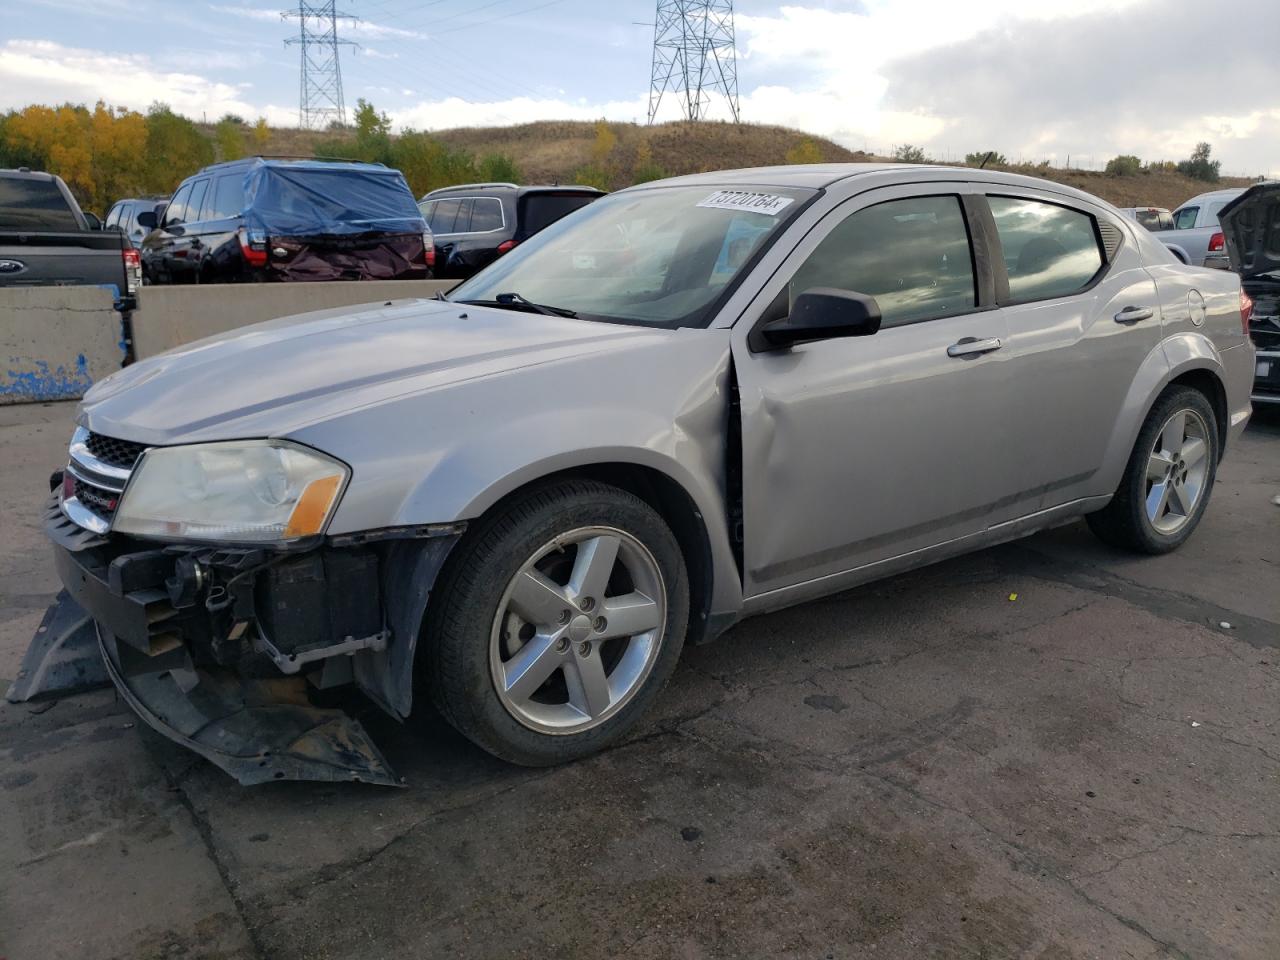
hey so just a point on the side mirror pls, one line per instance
(822, 314)
(92, 220)
(147, 218)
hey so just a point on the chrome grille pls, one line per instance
(97, 472)
(118, 453)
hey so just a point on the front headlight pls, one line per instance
(255, 491)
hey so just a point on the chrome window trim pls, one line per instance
(502, 209)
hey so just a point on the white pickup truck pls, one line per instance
(1196, 237)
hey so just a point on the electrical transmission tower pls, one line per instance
(320, 92)
(693, 55)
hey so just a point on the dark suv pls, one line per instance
(476, 223)
(123, 216)
(275, 219)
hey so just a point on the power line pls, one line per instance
(320, 101)
(694, 54)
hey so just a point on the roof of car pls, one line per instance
(466, 188)
(306, 163)
(23, 173)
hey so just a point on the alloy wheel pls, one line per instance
(577, 630)
(1177, 470)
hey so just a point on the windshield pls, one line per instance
(657, 257)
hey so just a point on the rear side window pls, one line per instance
(486, 214)
(1185, 218)
(462, 222)
(1152, 219)
(32, 204)
(912, 255)
(540, 210)
(227, 199)
(1049, 251)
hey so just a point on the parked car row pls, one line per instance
(292, 219)
(1192, 231)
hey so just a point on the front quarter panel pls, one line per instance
(449, 454)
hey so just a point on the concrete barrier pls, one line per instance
(55, 342)
(168, 317)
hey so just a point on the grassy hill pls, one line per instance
(564, 151)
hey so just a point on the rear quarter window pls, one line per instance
(31, 204)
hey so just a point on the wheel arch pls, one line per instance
(1207, 381)
(659, 489)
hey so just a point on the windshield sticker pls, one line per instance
(770, 204)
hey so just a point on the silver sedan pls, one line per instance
(693, 401)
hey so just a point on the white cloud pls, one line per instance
(38, 71)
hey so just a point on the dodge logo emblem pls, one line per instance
(12, 266)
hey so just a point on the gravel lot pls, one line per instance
(923, 767)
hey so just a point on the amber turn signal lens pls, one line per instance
(313, 507)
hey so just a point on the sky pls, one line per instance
(1056, 80)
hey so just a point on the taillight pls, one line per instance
(132, 270)
(253, 246)
(507, 246)
(1246, 312)
(1217, 242)
(429, 249)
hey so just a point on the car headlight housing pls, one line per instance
(250, 491)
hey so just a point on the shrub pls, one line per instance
(1199, 166)
(1125, 165)
(906, 153)
(980, 159)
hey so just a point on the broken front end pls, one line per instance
(232, 648)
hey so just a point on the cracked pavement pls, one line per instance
(920, 767)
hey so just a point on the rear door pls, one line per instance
(865, 449)
(1082, 314)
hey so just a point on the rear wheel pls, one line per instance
(1170, 475)
(557, 623)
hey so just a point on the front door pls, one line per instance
(866, 449)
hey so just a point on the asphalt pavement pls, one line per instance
(1047, 750)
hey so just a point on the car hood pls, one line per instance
(277, 377)
(1251, 227)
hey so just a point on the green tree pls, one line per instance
(1199, 166)
(175, 149)
(1125, 165)
(498, 168)
(979, 159)
(806, 151)
(906, 153)
(373, 133)
(228, 136)
(261, 135)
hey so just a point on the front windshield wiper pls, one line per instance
(513, 301)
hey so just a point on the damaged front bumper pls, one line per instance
(227, 650)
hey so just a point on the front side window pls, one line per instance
(113, 217)
(1049, 251)
(444, 216)
(196, 202)
(912, 255)
(227, 198)
(654, 257)
(1185, 218)
(177, 210)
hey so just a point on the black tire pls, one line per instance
(1124, 522)
(465, 601)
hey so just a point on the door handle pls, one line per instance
(972, 347)
(1134, 314)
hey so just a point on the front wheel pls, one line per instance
(558, 620)
(1169, 477)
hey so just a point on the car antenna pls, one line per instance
(990, 154)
